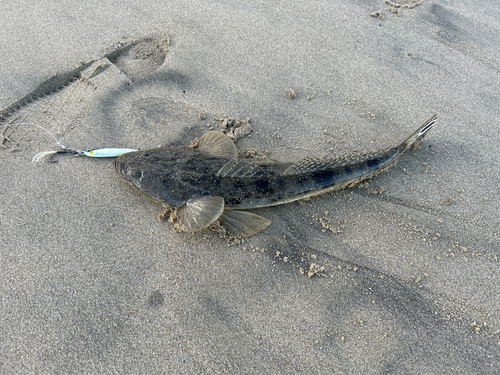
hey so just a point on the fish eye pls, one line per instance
(136, 174)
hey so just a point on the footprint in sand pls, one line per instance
(125, 98)
(140, 58)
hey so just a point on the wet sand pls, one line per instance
(398, 275)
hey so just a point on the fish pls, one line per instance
(208, 182)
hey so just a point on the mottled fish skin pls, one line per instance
(173, 175)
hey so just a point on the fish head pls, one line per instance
(150, 173)
(128, 168)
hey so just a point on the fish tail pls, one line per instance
(414, 139)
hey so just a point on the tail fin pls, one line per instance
(414, 139)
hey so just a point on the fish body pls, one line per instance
(209, 183)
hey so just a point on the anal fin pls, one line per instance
(197, 213)
(242, 223)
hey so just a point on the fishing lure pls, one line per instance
(93, 153)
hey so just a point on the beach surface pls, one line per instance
(398, 275)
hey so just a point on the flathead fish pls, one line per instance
(199, 185)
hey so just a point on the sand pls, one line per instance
(400, 275)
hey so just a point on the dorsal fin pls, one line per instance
(242, 169)
(312, 164)
(217, 143)
(317, 164)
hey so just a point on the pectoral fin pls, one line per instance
(218, 144)
(197, 213)
(242, 223)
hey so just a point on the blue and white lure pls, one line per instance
(93, 153)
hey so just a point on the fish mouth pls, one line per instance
(119, 167)
(122, 170)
